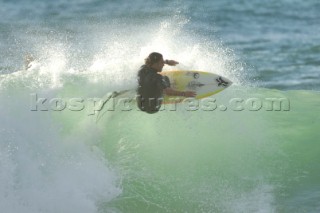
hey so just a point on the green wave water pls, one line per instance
(217, 161)
(240, 156)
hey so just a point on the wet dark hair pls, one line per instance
(153, 58)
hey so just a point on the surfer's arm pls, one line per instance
(171, 62)
(171, 92)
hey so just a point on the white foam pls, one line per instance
(44, 170)
(260, 200)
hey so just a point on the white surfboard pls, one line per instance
(205, 84)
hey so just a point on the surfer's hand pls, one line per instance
(190, 94)
(171, 62)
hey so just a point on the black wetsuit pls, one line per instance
(150, 89)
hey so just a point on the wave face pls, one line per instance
(218, 161)
(246, 156)
(251, 148)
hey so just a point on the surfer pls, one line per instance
(152, 85)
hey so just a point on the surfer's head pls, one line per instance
(155, 60)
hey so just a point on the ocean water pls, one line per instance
(256, 149)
